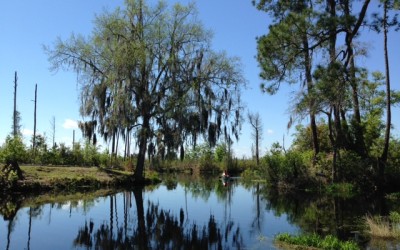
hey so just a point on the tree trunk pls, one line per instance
(257, 147)
(334, 146)
(34, 126)
(143, 137)
(351, 32)
(15, 125)
(383, 158)
(313, 124)
(358, 129)
(332, 57)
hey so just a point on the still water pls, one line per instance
(196, 214)
(182, 213)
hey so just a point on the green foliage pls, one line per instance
(13, 177)
(90, 154)
(13, 150)
(199, 151)
(86, 155)
(221, 152)
(394, 154)
(355, 169)
(303, 137)
(344, 190)
(313, 240)
(394, 217)
(288, 168)
(204, 155)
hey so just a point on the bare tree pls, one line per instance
(34, 125)
(256, 124)
(16, 127)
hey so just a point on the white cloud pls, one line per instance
(270, 131)
(66, 140)
(27, 132)
(70, 124)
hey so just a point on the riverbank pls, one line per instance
(68, 178)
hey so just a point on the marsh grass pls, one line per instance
(384, 227)
(313, 241)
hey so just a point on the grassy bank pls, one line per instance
(45, 178)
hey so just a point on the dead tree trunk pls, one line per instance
(15, 115)
(34, 126)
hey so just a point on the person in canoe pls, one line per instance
(225, 175)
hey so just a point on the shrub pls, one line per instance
(289, 168)
(13, 150)
(355, 169)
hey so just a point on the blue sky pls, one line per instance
(27, 25)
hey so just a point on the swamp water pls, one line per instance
(177, 214)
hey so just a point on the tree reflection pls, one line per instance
(257, 221)
(323, 214)
(34, 212)
(9, 207)
(11, 204)
(157, 228)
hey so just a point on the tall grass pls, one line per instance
(384, 227)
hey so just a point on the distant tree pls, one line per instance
(221, 152)
(257, 128)
(152, 69)
(41, 149)
(16, 127)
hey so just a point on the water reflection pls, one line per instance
(182, 213)
(339, 216)
(157, 228)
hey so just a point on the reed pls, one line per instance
(383, 227)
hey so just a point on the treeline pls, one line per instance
(87, 154)
(201, 158)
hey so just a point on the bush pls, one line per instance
(13, 150)
(356, 170)
(290, 168)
